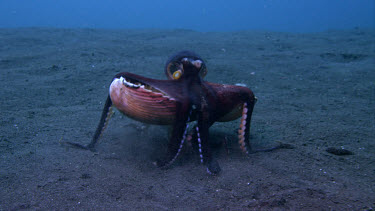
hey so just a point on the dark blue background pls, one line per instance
(210, 15)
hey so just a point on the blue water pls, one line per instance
(209, 15)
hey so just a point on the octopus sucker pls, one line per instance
(242, 130)
(109, 116)
(243, 122)
(199, 144)
(180, 147)
(244, 116)
(181, 142)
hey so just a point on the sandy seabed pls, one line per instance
(314, 91)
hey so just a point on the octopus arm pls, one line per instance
(179, 133)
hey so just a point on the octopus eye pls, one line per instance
(177, 74)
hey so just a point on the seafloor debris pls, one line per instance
(339, 151)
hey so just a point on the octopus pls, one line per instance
(183, 98)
